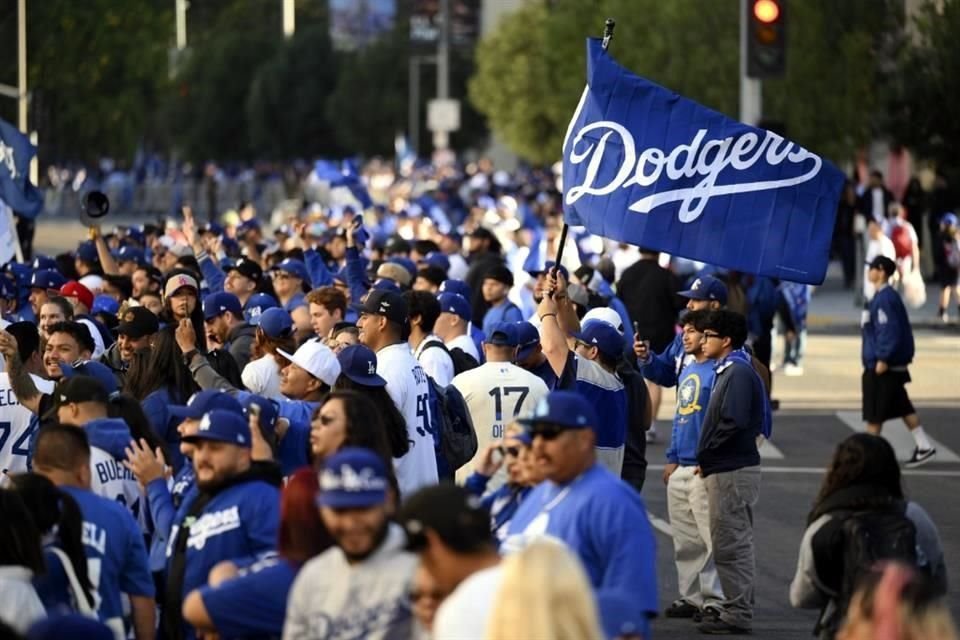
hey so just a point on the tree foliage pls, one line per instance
(531, 69)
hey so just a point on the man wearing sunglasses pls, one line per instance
(597, 515)
(729, 464)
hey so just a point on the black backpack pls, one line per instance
(462, 361)
(868, 538)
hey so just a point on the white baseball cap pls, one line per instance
(317, 359)
(604, 314)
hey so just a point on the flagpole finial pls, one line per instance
(608, 27)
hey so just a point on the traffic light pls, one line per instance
(766, 38)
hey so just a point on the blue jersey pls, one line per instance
(601, 519)
(254, 603)
(693, 396)
(604, 390)
(504, 312)
(116, 555)
(241, 521)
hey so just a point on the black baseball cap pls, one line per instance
(386, 303)
(138, 322)
(456, 516)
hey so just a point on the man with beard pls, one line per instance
(134, 333)
(234, 515)
(368, 561)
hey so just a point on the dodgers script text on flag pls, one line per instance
(15, 187)
(643, 165)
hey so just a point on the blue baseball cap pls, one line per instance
(456, 286)
(217, 304)
(527, 339)
(269, 411)
(257, 304)
(105, 304)
(130, 254)
(503, 334)
(43, 262)
(564, 408)
(47, 279)
(359, 363)
(294, 267)
(100, 372)
(205, 401)
(455, 303)
(87, 251)
(601, 335)
(353, 478)
(275, 322)
(220, 425)
(706, 288)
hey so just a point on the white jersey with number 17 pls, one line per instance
(17, 425)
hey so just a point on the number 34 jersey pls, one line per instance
(496, 393)
(17, 425)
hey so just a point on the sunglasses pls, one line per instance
(546, 431)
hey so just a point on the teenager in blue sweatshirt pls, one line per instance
(687, 504)
(887, 351)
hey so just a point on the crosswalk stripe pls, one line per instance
(898, 436)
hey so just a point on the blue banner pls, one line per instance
(15, 187)
(646, 166)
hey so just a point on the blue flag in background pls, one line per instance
(643, 165)
(15, 188)
(345, 176)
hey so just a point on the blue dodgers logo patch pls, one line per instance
(211, 525)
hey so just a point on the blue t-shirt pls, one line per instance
(601, 519)
(254, 603)
(693, 396)
(240, 521)
(116, 555)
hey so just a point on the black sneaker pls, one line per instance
(920, 457)
(717, 627)
(682, 609)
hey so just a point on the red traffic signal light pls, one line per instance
(766, 11)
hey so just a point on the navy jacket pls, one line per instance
(887, 335)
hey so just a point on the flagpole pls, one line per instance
(608, 27)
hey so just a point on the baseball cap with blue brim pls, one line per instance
(359, 363)
(602, 335)
(100, 372)
(353, 478)
(222, 426)
(706, 288)
(205, 401)
(563, 408)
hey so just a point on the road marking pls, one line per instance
(770, 451)
(660, 525)
(898, 436)
(934, 473)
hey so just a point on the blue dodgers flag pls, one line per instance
(15, 188)
(646, 166)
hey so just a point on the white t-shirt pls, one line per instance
(407, 385)
(262, 377)
(435, 361)
(464, 614)
(495, 393)
(466, 344)
(17, 425)
(332, 598)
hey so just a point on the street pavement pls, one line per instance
(817, 410)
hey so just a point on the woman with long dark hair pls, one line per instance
(252, 601)
(21, 558)
(60, 524)
(159, 378)
(861, 497)
(356, 364)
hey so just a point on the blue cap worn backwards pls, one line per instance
(353, 478)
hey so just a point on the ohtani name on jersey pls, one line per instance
(211, 525)
(8, 399)
(108, 470)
